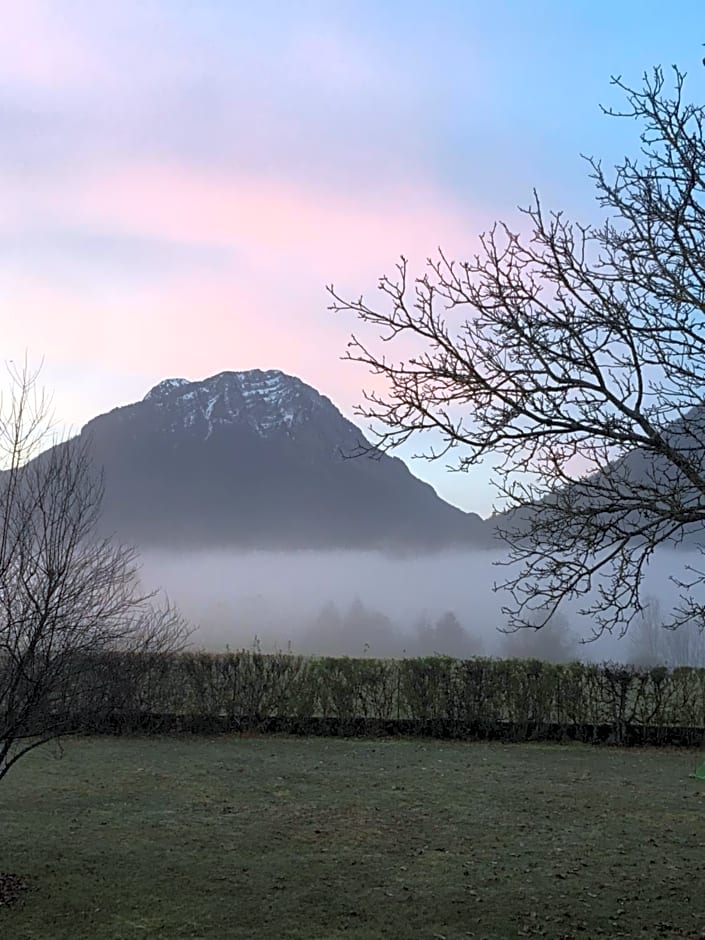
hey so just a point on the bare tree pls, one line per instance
(575, 355)
(445, 637)
(69, 600)
(652, 643)
(554, 642)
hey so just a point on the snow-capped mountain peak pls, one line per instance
(267, 401)
(258, 459)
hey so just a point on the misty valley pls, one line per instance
(352, 520)
(369, 604)
(300, 667)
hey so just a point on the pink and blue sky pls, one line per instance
(179, 180)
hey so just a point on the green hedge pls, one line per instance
(518, 699)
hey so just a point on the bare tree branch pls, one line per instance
(575, 355)
(69, 601)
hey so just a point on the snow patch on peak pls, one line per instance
(267, 401)
(164, 387)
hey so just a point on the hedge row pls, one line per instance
(518, 699)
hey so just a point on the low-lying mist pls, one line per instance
(368, 604)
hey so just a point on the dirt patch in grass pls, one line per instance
(11, 888)
(319, 838)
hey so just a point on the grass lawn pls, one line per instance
(270, 837)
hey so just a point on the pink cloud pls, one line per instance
(288, 241)
(271, 221)
(185, 325)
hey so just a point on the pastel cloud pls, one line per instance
(266, 305)
(40, 49)
(178, 181)
(269, 218)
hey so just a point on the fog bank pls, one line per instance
(366, 603)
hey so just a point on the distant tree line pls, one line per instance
(362, 630)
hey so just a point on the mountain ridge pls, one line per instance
(260, 459)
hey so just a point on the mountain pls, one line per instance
(261, 460)
(639, 493)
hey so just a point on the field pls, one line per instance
(273, 837)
